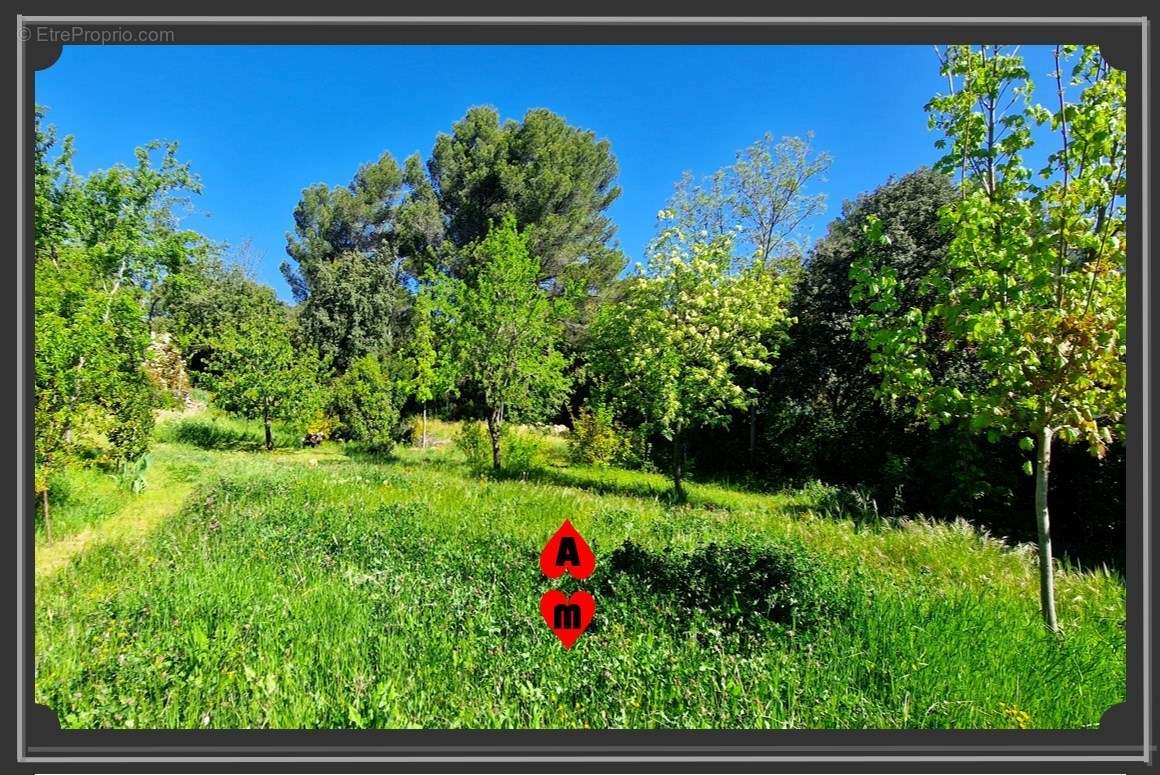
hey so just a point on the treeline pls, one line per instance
(948, 326)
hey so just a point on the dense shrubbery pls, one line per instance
(362, 402)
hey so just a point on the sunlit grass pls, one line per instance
(324, 588)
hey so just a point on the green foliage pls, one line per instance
(739, 588)
(471, 440)
(196, 305)
(363, 402)
(1033, 283)
(347, 273)
(258, 372)
(557, 181)
(102, 244)
(595, 438)
(501, 333)
(671, 347)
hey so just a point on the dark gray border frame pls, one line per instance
(1119, 741)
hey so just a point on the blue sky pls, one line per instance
(260, 123)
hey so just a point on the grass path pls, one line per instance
(133, 522)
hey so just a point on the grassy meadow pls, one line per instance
(325, 587)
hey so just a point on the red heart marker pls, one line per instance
(567, 551)
(567, 617)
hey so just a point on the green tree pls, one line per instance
(102, 243)
(199, 303)
(556, 180)
(1033, 282)
(258, 372)
(347, 273)
(502, 331)
(425, 379)
(363, 401)
(767, 192)
(671, 347)
(762, 200)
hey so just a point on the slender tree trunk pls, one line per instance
(1046, 574)
(494, 421)
(47, 522)
(752, 435)
(269, 435)
(679, 468)
(423, 441)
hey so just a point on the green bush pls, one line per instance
(742, 587)
(595, 438)
(473, 442)
(522, 451)
(362, 401)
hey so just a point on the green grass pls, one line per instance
(317, 589)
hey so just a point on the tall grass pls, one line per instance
(310, 590)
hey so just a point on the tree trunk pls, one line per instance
(752, 435)
(494, 421)
(1046, 573)
(679, 468)
(47, 523)
(269, 435)
(423, 441)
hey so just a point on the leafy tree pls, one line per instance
(425, 378)
(347, 273)
(363, 401)
(258, 372)
(502, 331)
(766, 192)
(102, 243)
(762, 200)
(671, 347)
(1033, 283)
(199, 303)
(556, 180)
(823, 416)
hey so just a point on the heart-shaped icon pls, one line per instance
(567, 617)
(567, 551)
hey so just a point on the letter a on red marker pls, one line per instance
(567, 552)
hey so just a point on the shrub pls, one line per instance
(741, 587)
(362, 401)
(473, 442)
(595, 439)
(523, 451)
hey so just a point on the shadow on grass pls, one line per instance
(207, 434)
(609, 482)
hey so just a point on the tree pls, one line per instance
(555, 179)
(762, 201)
(102, 243)
(363, 401)
(671, 347)
(765, 192)
(502, 331)
(258, 372)
(1033, 283)
(196, 306)
(424, 380)
(823, 416)
(348, 274)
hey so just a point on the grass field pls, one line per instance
(319, 588)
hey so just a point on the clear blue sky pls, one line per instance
(260, 123)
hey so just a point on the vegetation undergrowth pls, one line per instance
(315, 588)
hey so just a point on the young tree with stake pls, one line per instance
(1033, 284)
